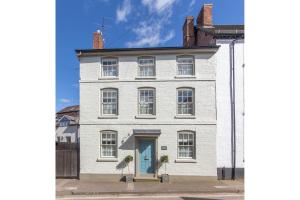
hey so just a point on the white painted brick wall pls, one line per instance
(223, 104)
(165, 85)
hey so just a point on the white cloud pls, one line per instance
(150, 35)
(158, 5)
(64, 100)
(151, 32)
(123, 11)
(192, 3)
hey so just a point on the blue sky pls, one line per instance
(128, 23)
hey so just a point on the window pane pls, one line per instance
(146, 101)
(109, 67)
(185, 65)
(109, 101)
(109, 146)
(185, 101)
(186, 145)
(146, 66)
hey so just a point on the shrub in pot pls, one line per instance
(129, 177)
(164, 160)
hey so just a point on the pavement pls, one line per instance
(178, 196)
(71, 188)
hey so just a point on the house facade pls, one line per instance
(148, 102)
(67, 125)
(185, 102)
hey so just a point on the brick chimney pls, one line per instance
(188, 32)
(98, 40)
(204, 26)
(205, 16)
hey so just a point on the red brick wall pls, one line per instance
(97, 40)
(188, 32)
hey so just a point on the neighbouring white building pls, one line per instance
(67, 125)
(230, 102)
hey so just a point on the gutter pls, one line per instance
(232, 102)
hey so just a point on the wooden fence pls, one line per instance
(67, 160)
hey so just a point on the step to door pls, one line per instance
(146, 179)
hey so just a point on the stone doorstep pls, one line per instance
(146, 179)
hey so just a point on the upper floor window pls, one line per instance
(146, 66)
(185, 65)
(147, 101)
(186, 144)
(108, 144)
(110, 67)
(185, 101)
(109, 101)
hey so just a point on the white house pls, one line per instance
(184, 102)
(67, 125)
(148, 102)
(229, 87)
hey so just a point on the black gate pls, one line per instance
(67, 160)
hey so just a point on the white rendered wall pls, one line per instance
(204, 123)
(224, 107)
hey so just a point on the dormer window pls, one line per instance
(110, 67)
(64, 122)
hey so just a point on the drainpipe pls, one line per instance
(232, 101)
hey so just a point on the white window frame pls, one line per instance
(116, 66)
(102, 102)
(154, 100)
(179, 63)
(190, 135)
(111, 132)
(146, 65)
(192, 103)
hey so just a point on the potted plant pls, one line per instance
(164, 160)
(129, 177)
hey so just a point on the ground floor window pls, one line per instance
(108, 145)
(186, 144)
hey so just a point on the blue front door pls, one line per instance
(146, 150)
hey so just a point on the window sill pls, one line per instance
(185, 76)
(107, 160)
(109, 78)
(145, 117)
(108, 117)
(145, 77)
(185, 161)
(185, 117)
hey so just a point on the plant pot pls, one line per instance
(165, 178)
(129, 178)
